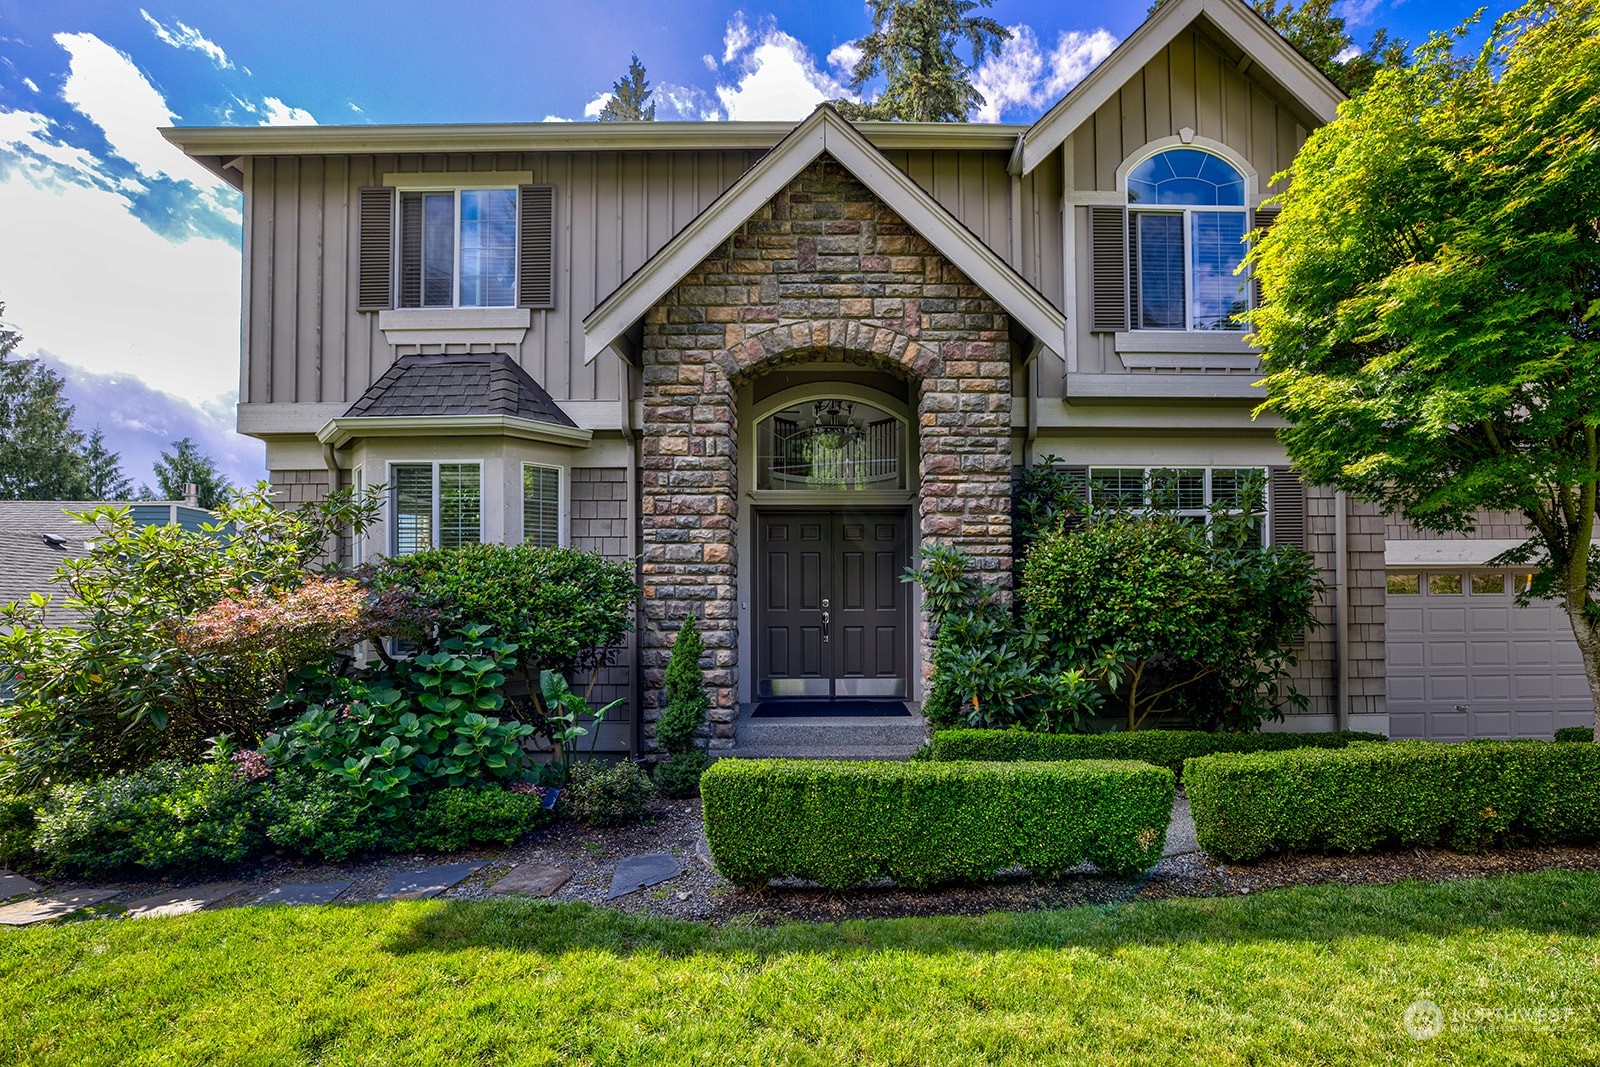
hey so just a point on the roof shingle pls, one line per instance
(479, 383)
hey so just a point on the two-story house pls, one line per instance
(770, 361)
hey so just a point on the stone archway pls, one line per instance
(824, 272)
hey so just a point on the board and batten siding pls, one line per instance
(1191, 83)
(305, 342)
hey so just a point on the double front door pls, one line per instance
(831, 616)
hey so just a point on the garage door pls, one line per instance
(1465, 661)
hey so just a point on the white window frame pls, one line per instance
(563, 522)
(391, 518)
(1186, 213)
(456, 189)
(1205, 513)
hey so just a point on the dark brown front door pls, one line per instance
(831, 618)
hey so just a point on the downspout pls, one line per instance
(330, 459)
(1341, 614)
(1033, 403)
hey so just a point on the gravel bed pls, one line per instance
(700, 894)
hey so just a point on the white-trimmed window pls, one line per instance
(458, 248)
(1186, 227)
(541, 505)
(434, 505)
(1195, 494)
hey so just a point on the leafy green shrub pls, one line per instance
(602, 794)
(133, 682)
(313, 814)
(16, 832)
(684, 691)
(678, 776)
(429, 731)
(1164, 748)
(453, 819)
(1171, 617)
(563, 610)
(1575, 733)
(165, 818)
(1403, 793)
(842, 824)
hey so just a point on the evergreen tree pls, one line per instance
(183, 465)
(41, 455)
(913, 45)
(103, 470)
(1323, 38)
(630, 97)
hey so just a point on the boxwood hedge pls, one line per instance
(1164, 748)
(842, 824)
(1575, 733)
(1404, 793)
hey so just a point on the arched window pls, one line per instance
(831, 443)
(1186, 227)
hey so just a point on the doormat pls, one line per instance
(828, 709)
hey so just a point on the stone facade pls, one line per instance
(824, 271)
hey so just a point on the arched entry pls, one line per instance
(830, 534)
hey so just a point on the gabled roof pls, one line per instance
(477, 392)
(479, 383)
(1234, 19)
(825, 131)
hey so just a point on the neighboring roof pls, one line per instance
(449, 395)
(479, 383)
(218, 147)
(37, 535)
(826, 131)
(1280, 61)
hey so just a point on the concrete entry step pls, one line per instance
(820, 751)
(822, 737)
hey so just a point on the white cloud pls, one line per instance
(106, 87)
(355, 107)
(555, 118)
(31, 132)
(1348, 52)
(844, 57)
(777, 76)
(275, 112)
(592, 109)
(190, 38)
(710, 61)
(32, 85)
(1356, 12)
(1023, 76)
(684, 102)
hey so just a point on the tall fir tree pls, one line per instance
(41, 454)
(186, 464)
(103, 470)
(913, 45)
(630, 97)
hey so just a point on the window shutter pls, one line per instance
(1286, 497)
(1078, 477)
(1264, 219)
(536, 246)
(375, 254)
(1108, 247)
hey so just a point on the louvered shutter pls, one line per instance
(375, 253)
(1078, 477)
(1108, 247)
(1264, 219)
(536, 246)
(1286, 500)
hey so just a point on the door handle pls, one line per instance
(826, 618)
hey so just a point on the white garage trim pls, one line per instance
(1468, 553)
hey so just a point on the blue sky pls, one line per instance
(119, 258)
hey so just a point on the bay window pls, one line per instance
(434, 505)
(541, 506)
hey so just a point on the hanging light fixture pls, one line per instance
(832, 418)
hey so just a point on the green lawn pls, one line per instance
(1306, 976)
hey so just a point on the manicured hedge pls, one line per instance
(1404, 793)
(1164, 748)
(1575, 733)
(842, 824)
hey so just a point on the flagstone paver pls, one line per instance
(303, 893)
(427, 881)
(42, 909)
(15, 885)
(636, 872)
(534, 879)
(183, 901)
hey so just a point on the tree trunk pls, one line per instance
(1588, 636)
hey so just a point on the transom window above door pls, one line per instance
(1186, 228)
(831, 443)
